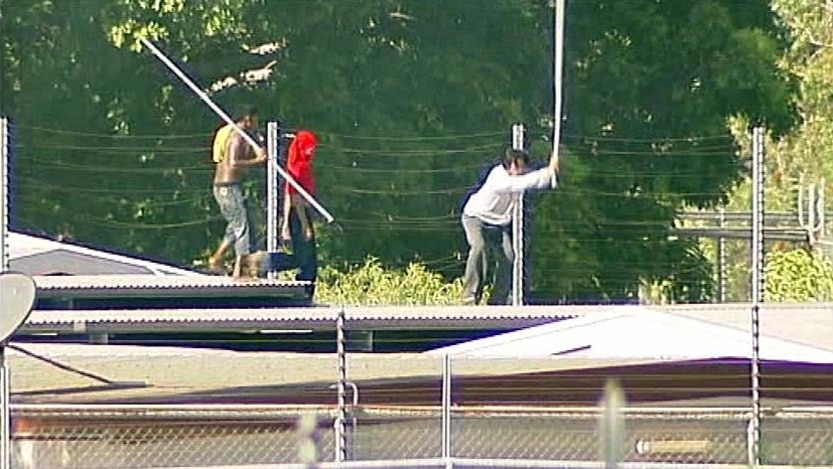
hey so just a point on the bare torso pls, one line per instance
(227, 172)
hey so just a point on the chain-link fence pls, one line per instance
(98, 437)
(136, 437)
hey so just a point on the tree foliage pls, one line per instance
(410, 99)
(803, 155)
(798, 275)
(809, 151)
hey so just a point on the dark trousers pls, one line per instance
(303, 249)
(483, 238)
(303, 256)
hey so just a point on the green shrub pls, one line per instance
(372, 284)
(798, 275)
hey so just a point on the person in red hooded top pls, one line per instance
(296, 223)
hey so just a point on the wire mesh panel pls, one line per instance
(678, 437)
(798, 439)
(687, 438)
(398, 437)
(525, 437)
(89, 440)
(378, 430)
(140, 442)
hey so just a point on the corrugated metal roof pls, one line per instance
(114, 282)
(808, 323)
(411, 317)
(114, 286)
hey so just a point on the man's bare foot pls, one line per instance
(215, 266)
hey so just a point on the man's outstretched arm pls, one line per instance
(539, 179)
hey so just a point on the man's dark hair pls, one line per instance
(245, 111)
(519, 157)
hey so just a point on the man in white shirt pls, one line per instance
(490, 210)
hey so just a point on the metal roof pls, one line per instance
(243, 319)
(639, 332)
(803, 323)
(809, 324)
(120, 286)
(198, 375)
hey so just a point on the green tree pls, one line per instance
(801, 156)
(649, 91)
(809, 151)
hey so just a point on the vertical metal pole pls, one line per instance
(5, 419)
(612, 424)
(272, 189)
(558, 73)
(822, 221)
(5, 411)
(4, 194)
(758, 169)
(722, 277)
(341, 417)
(811, 215)
(518, 228)
(446, 408)
(309, 440)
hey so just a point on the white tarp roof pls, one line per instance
(33, 255)
(634, 332)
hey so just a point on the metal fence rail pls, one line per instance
(86, 437)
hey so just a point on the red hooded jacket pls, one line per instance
(299, 161)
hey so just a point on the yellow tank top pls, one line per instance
(218, 153)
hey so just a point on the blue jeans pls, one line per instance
(232, 205)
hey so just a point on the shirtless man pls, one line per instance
(233, 156)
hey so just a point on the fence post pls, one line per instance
(5, 418)
(821, 208)
(272, 189)
(758, 174)
(722, 275)
(5, 195)
(5, 422)
(341, 417)
(446, 410)
(308, 440)
(518, 132)
(612, 424)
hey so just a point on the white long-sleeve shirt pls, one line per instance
(494, 201)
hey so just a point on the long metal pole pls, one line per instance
(446, 408)
(204, 97)
(518, 228)
(341, 417)
(4, 194)
(272, 188)
(5, 418)
(722, 277)
(558, 75)
(757, 289)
